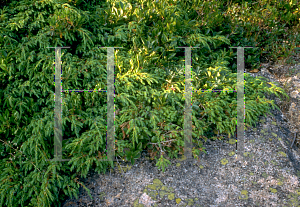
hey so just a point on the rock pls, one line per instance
(290, 108)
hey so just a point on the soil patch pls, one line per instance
(268, 174)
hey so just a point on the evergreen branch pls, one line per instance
(21, 153)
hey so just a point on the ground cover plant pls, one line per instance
(149, 82)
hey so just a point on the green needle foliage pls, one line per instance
(149, 86)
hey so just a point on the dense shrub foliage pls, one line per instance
(149, 82)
